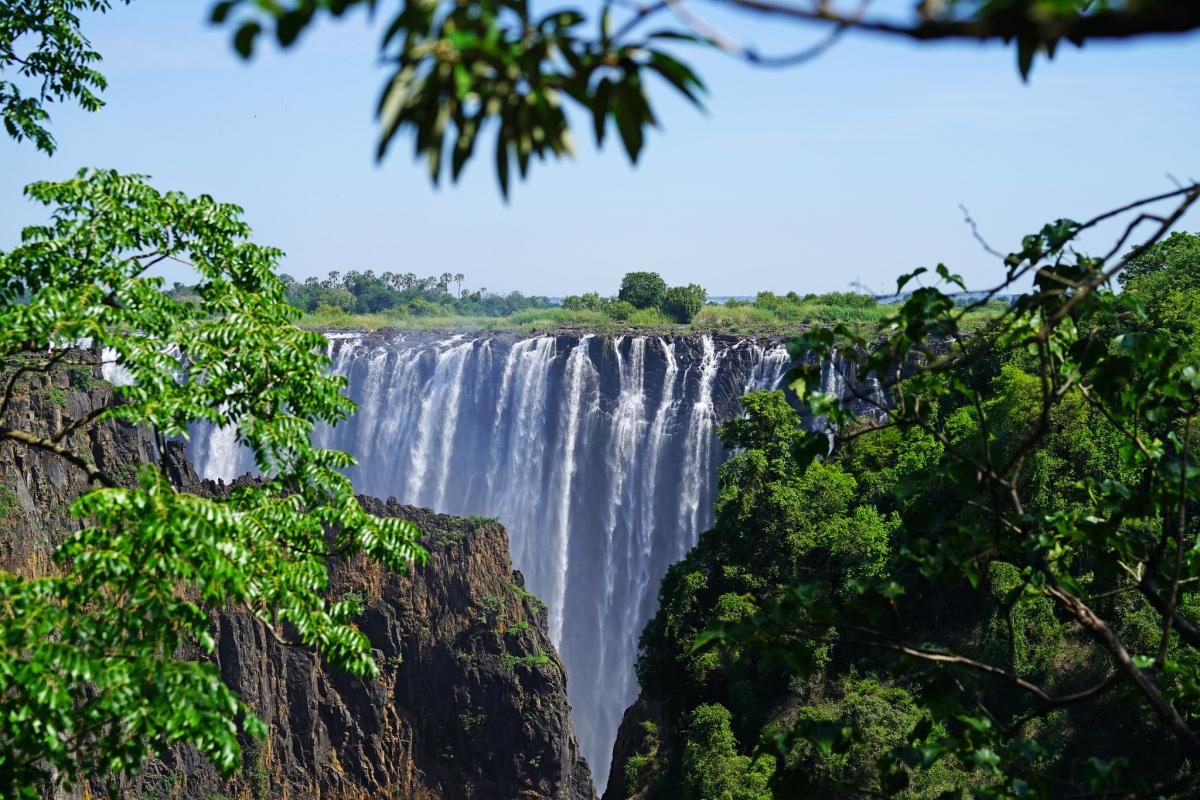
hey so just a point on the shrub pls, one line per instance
(682, 303)
(621, 310)
(712, 764)
(80, 376)
(420, 307)
(591, 301)
(530, 662)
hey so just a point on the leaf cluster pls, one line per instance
(99, 660)
(461, 67)
(43, 47)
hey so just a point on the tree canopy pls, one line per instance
(1043, 471)
(94, 659)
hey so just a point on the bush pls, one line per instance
(326, 310)
(643, 289)
(682, 303)
(712, 765)
(419, 307)
(591, 301)
(621, 309)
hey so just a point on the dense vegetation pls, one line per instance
(992, 592)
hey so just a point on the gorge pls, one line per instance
(597, 452)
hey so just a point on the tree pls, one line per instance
(778, 521)
(92, 656)
(620, 310)
(712, 763)
(588, 301)
(643, 289)
(44, 45)
(683, 303)
(1178, 253)
(1066, 481)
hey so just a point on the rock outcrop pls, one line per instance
(471, 702)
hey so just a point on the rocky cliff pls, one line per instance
(471, 701)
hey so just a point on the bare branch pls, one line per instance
(93, 472)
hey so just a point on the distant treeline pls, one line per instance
(643, 300)
(403, 294)
(368, 293)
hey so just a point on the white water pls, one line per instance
(598, 453)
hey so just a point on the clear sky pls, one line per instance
(850, 168)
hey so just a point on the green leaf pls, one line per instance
(243, 40)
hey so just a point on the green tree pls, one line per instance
(1058, 518)
(1166, 281)
(589, 301)
(42, 43)
(643, 289)
(712, 764)
(92, 658)
(778, 521)
(1179, 253)
(620, 310)
(683, 303)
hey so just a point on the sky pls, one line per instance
(846, 171)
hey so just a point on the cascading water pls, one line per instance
(597, 452)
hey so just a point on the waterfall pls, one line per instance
(580, 375)
(597, 452)
(693, 511)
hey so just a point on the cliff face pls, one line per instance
(633, 739)
(471, 701)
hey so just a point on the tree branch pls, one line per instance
(93, 472)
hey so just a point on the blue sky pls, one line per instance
(848, 169)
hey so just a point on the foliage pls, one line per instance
(94, 687)
(683, 303)
(460, 66)
(621, 310)
(1178, 254)
(588, 301)
(1165, 279)
(472, 721)
(1052, 513)
(42, 43)
(712, 765)
(643, 289)
(366, 293)
(776, 521)
(530, 661)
